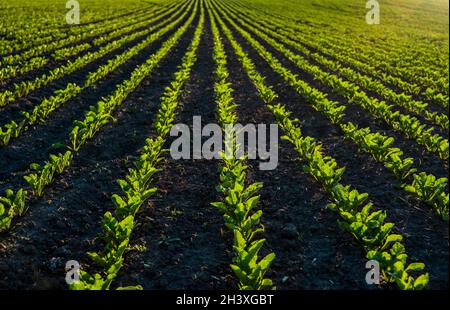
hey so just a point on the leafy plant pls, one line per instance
(240, 201)
(44, 174)
(432, 190)
(402, 168)
(11, 130)
(10, 206)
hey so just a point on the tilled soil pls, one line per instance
(180, 241)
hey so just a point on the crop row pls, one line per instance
(411, 127)
(24, 88)
(137, 187)
(95, 119)
(356, 217)
(240, 200)
(378, 145)
(40, 112)
(11, 71)
(401, 99)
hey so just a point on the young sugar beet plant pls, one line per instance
(137, 187)
(240, 200)
(375, 144)
(432, 190)
(11, 130)
(368, 227)
(10, 206)
(98, 116)
(44, 175)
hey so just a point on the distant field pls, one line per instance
(87, 110)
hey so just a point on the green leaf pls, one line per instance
(240, 274)
(266, 261)
(118, 201)
(240, 241)
(421, 282)
(415, 267)
(130, 288)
